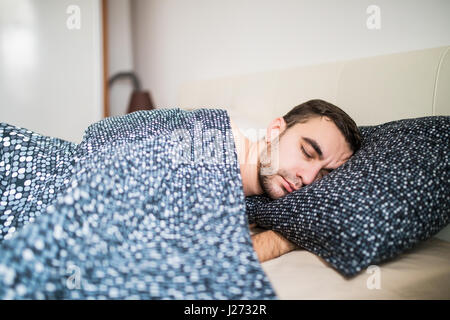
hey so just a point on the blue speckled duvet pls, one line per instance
(148, 206)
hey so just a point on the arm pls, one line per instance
(270, 244)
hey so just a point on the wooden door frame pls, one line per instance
(106, 111)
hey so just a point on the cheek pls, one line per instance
(290, 158)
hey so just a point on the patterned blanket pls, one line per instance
(148, 206)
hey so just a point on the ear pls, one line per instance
(275, 128)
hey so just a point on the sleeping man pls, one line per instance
(150, 205)
(299, 148)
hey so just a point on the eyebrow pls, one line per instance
(313, 143)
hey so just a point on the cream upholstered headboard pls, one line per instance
(371, 90)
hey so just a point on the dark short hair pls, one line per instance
(320, 108)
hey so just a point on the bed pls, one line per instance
(372, 91)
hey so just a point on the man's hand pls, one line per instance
(270, 244)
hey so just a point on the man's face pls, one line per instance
(295, 158)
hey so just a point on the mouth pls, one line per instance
(287, 185)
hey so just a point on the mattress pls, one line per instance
(421, 273)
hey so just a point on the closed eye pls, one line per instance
(305, 153)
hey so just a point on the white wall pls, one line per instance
(177, 41)
(50, 76)
(120, 54)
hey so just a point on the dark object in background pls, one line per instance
(140, 99)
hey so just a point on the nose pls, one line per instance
(308, 174)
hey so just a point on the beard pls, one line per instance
(270, 176)
(272, 185)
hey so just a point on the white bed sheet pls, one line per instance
(421, 273)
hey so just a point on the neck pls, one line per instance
(248, 156)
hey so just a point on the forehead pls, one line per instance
(316, 124)
(322, 133)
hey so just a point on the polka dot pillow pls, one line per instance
(393, 193)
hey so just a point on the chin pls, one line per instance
(272, 188)
(276, 192)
